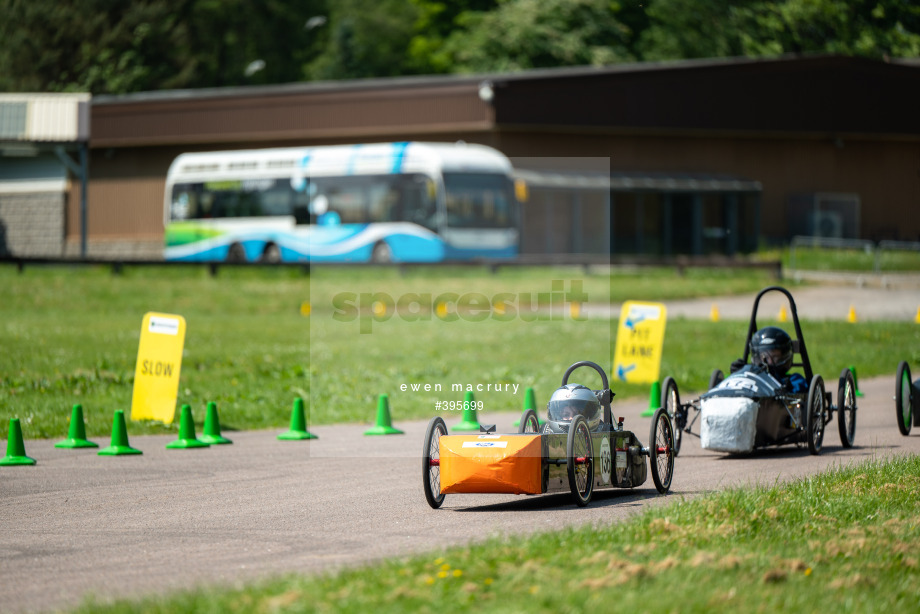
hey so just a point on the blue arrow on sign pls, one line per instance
(631, 324)
(622, 371)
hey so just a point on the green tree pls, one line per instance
(522, 34)
(867, 28)
(681, 29)
(112, 47)
(366, 38)
(436, 21)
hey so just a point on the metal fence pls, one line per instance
(865, 256)
(587, 261)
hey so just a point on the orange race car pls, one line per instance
(579, 449)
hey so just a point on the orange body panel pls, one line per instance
(491, 464)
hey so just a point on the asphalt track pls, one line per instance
(77, 523)
(899, 303)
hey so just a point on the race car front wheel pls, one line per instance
(431, 462)
(580, 461)
(846, 408)
(661, 450)
(902, 398)
(716, 378)
(529, 422)
(670, 401)
(815, 415)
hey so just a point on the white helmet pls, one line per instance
(572, 400)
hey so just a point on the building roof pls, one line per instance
(799, 95)
(57, 118)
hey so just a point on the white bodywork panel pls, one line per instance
(729, 424)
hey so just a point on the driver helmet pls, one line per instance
(771, 347)
(572, 400)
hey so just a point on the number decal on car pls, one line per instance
(606, 460)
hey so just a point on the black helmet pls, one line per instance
(571, 400)
(771, 347)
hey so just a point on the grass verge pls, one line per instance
(70, 335)
(855, 260)
(841, 541)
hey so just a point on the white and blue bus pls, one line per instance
(386, 202)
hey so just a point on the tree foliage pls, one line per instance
(722, 28)
(112, 47)
(522, 34)
(365, 38)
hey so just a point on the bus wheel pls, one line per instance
(271, 254)
(236, 253)
(381, 253)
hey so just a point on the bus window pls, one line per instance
(226, 203)
(184, 203)
(375, 198)
(229, 199)
(301, 207)
(205, 206)
(478, 200)
(275, 199)
(417, 200)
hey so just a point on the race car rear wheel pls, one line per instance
(846, 408)
(903, 403)
(431, 462)
(661, 450)
(815, 416)
(580, 461)
(670, 401)
(716, 378)
(529, 422)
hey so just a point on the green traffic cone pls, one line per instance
(119, 438)
(76, 436)
(15, 448)
(856, 381)
(469, 421)
(187, 437)
(212, 426)
(384, 424)
(530, 402)
(298, 428)
(654, 400)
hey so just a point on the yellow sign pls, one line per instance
(640, 338)
(159, 359)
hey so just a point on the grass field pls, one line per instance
(842, 541)
(70, 335)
